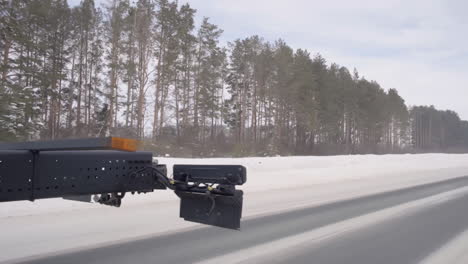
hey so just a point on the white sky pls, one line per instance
(419, 47)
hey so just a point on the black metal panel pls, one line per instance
(16, 172)
(218, 174)
(27, 175)
(63, 144)
(217, 210)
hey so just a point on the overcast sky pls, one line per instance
(419, 47)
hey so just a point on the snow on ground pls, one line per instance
(273, 185)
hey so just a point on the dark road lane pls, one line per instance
(406, 239)
(207, 242)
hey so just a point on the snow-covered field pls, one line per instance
(273, 185)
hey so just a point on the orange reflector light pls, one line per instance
(124, 144)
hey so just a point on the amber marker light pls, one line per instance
(124, 144)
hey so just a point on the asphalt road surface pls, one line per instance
(406, 238)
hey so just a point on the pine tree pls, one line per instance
(143, 22)
(303, 101)
(114, 26)
(184, 71)
(209, 60)
(167, 52)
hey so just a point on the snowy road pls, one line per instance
(402, 226)
(296, 209)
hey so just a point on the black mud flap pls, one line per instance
(217, 210)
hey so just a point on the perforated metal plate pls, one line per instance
(16, 171)
(49, 174)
